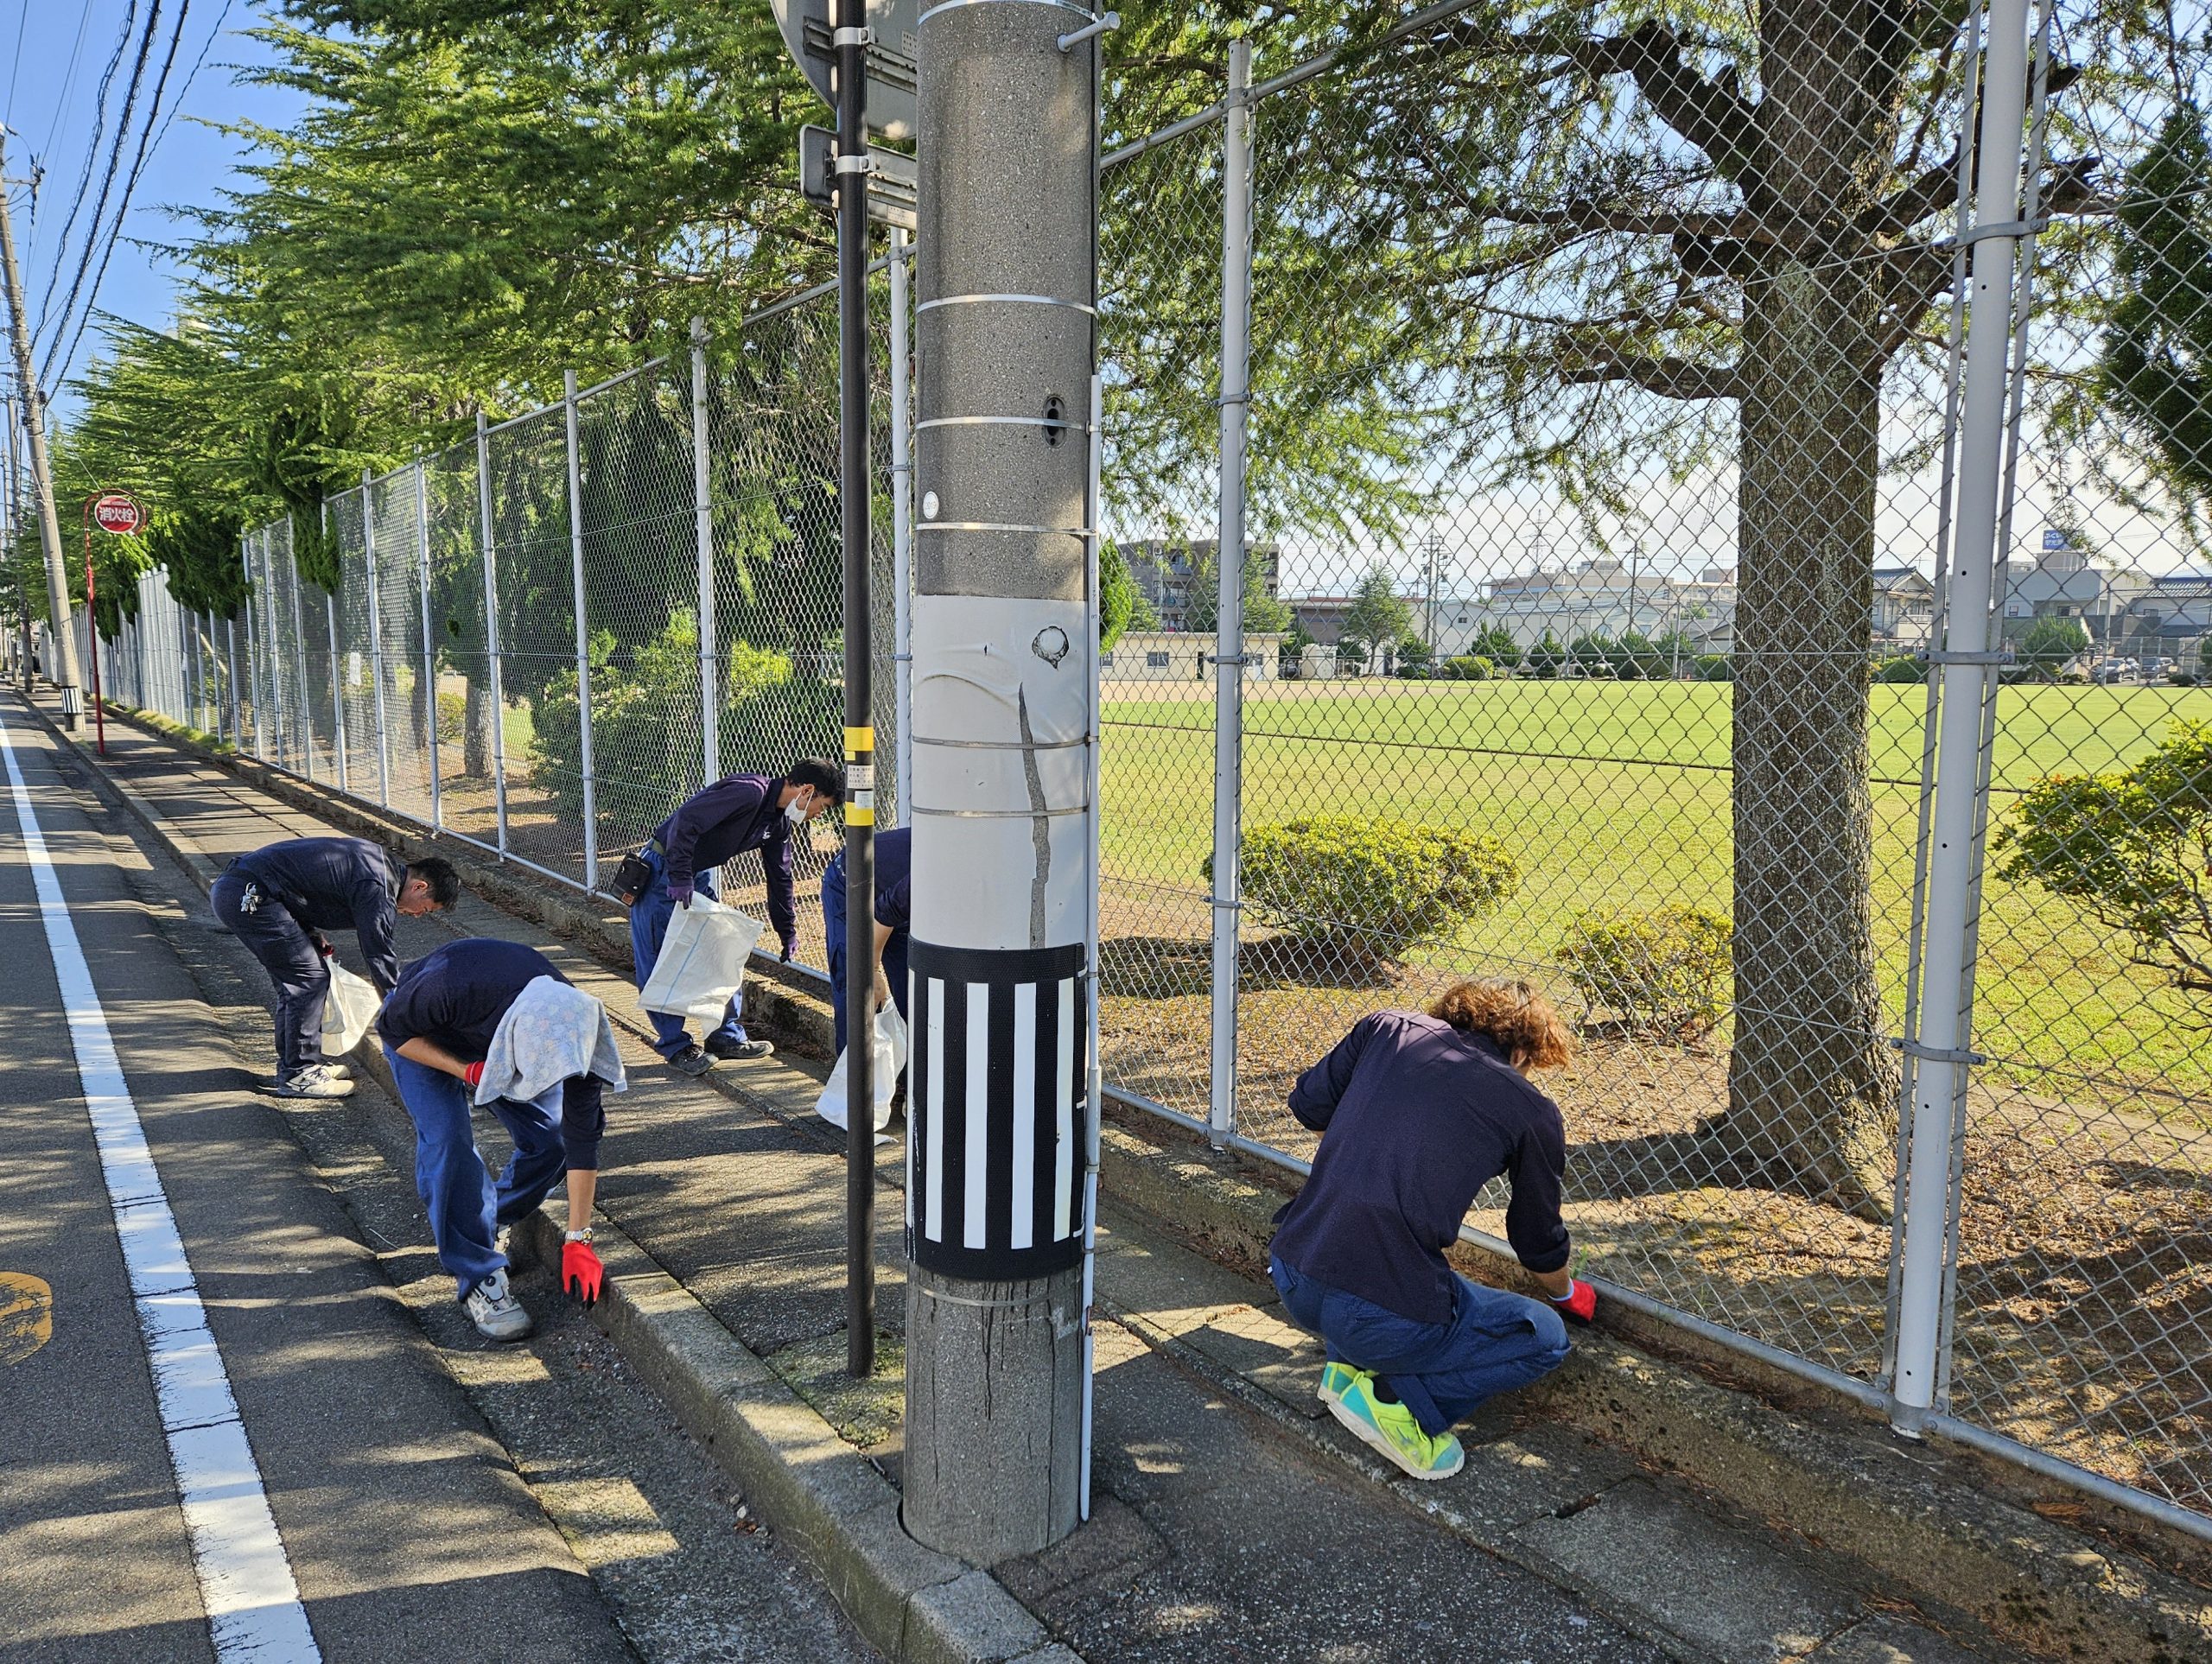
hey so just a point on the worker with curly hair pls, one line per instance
(1417, 1112)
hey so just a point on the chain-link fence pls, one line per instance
(1617, 477)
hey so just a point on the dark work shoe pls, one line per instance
(740, 1050)
(691, 1061)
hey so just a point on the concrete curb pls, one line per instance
(801, 1478)
(1935, 1518)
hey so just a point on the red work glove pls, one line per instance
(1580, 1304)
(581, 1274)
(472, 1076)
(324, 946)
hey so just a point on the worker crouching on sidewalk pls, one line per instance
(279, 899)
(493, 1023)
(1416, 1113)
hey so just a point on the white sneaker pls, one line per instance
(493, 1307)
(339, 1067)
(315, 1080)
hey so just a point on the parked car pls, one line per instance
(2118, 670)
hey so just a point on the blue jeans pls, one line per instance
(1494, 1343)
(466, 1209)
(649, 916)
(276, 938)
(894, 959)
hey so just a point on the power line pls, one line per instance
(92, 155)
(68, 78)
(107, 182)
(137, 166)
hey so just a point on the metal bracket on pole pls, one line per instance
(1920, 1053)
(1107, 22)
(1992, 656)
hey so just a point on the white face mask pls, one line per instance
(795, 811)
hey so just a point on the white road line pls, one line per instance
(253, 1606)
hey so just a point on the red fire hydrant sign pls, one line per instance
(117, 513)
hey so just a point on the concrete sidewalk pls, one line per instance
(1232, 1518)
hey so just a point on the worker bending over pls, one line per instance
(744, 811)
(493, 1024)
(1416, 1113)
(279, 899)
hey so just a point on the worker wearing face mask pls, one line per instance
(741, 812)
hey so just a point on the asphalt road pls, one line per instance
(433, 1497)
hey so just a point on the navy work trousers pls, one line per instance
(1495, 1341)
(649, 916)
(466, 1207)
(277, 939)
(894, 961)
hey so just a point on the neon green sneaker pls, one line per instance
(1392, 1431)
(1335, 1377)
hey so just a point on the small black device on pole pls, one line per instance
(851, 40)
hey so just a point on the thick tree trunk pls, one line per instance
(1812, 1086)
(476, 742)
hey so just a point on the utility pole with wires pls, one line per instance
(1004, 623)
(49, 527)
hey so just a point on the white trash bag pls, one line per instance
(348, 1010)
(890, 1062)
(702, 961)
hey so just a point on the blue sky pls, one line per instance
(51, 83)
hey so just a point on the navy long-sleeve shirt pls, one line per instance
(1415, 1117)
(337, 884)
(894, 880)
(455, 997)
(727, 819)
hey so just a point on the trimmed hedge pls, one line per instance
(1367, 890)
(1665, 970)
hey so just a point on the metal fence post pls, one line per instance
(702, 512)
(902, 529)
(376, 642)
(252, 658)
(1937, 1058)
(337, 691)
(429, 646)
(491, 629)
(231, 680)
(299, 651)
(1229, 571)
(584, 637)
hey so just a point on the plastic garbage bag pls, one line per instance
(348, 1010)
(702, 961)
(890, 1061)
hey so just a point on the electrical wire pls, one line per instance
(146, 145)
(60, 321)
(92, 156)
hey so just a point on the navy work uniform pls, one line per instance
(279, 901)
(454, 998)
(894, 866)
(687, 852)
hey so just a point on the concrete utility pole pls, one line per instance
(1007, 285)
(49, 529)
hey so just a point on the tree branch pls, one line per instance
(1711, 115)
(1668, 377)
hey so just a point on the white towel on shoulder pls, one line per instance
(552, 1033)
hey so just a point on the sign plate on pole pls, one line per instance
(117, 513)
(893, 194)
(891, 86)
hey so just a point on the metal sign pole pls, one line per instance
(859, 732)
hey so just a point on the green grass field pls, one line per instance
(1610, 793)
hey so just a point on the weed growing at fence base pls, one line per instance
(1616, 794)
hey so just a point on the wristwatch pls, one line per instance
(583, 1236)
